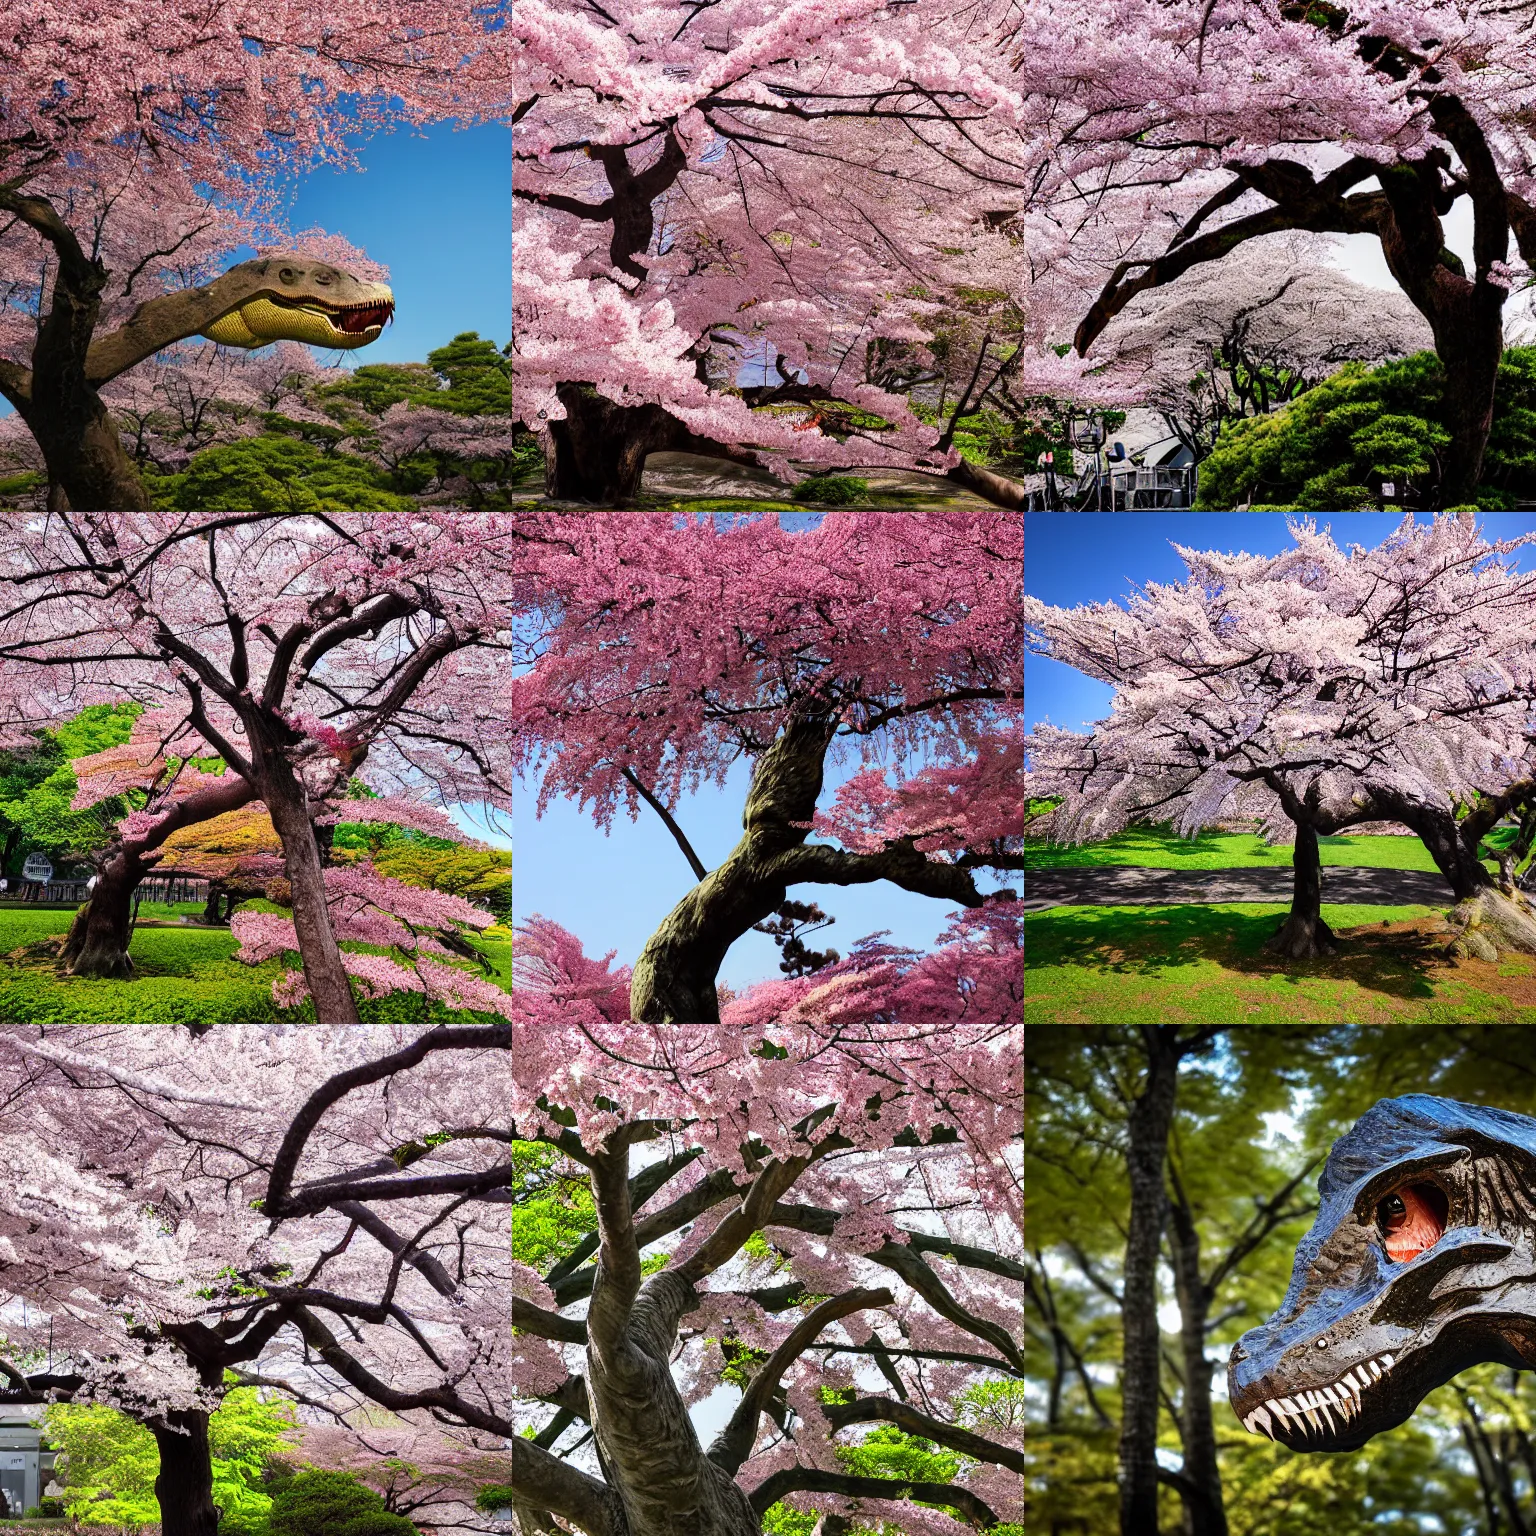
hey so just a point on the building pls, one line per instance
(26, 1463)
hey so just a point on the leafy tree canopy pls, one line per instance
(1331, 448)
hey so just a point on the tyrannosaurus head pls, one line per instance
(295, 299)
(1419, 1265)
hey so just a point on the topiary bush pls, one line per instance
(832, 490)
(327, 1504)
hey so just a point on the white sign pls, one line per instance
(38, 867)
(1388, 488)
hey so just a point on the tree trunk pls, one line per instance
(215, 901)
(1207, 1513)
(329, 984)
(1470, 353)
(598, 452)
(1304, 935)
(98, 939)
(1150, 1118)
(97, 944)
(989, 485)
(184, 1486)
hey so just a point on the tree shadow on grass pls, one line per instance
(1394, 960)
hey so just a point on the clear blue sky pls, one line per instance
(436, 207)
(1098, 557)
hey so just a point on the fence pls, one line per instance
(173, 889)
(72, 891)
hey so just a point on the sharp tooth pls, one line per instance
(1283, 1406)
(1332, 1394)
(1261, 1415)
(1322, 1408)
(1375, 1370)
(1387, 1362)
(1351, 1383)
(1312, 1418)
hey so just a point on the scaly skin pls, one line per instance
(1420, 1264)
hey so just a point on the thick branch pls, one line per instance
(814, 1480)
(903, 1416)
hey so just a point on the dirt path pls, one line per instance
(1118, 885)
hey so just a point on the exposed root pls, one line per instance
(1303, 938)
(1491, 922)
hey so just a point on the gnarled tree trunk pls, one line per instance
(184, 1485)
(1304, 935)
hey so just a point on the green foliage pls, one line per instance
(1331, 448)
(493, 1498)
(552, 1209)
(111, 1464)
(37, 786)
(374, 1523)
(890, 1452)
(325, 1503)
(184, 976)
(112, 1461)
(832, 490)
(277, 473)
(483, 876)
(1254, 1110)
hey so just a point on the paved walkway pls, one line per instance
(1118, 885)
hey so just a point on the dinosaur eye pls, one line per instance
(1412, 1220)
(286, 274)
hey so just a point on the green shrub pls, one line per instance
(831, 490)
(377, 1523)
(324, 1504)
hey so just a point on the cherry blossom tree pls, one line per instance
(375, 638)
(666, 652)
(851, 1195)
(320, 1210)
(1317, 689)
(725, 214)
(140, 148)
(1186, 130)
(1243, 337)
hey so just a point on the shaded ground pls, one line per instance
(1123, 884)
(1207, 964)
(691, 482)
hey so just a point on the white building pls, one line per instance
(26, 1463)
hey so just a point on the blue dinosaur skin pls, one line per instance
(1360, 1339)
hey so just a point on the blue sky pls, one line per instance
(435, 205)
(1096, 557)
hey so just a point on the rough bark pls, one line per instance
(989, 485)
(98, 939)
(1304, 935)
(1151, 1115)
(329, 985)
(674, 978)
(184, 1485)
(1206, 1511)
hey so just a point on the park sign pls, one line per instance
(38, 867)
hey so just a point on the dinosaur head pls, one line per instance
(292, 298)
(1419, 1265)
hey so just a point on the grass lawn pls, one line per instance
(1206, 964)
(1158, 848)
(184, 976)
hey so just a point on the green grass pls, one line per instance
(1206, 964)
(184, 976)
(1158, 848)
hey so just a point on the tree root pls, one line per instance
(1485, 925)
(1303, 938)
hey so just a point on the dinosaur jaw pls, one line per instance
(1335, 1416)
(266, 318)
